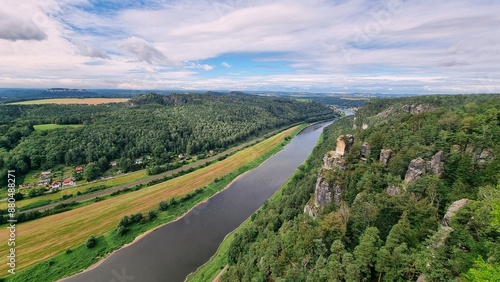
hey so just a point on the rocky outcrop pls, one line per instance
(364, 126)
(394, 190)
(482, 156)
(386, 113)
(385, 155)
(331, 160)
(325, 192)
(344, 144)
(416, 169)
(436, 164)
(444, 230)
(322, 193)
(365, 151)
(417, 109)
(452, 210)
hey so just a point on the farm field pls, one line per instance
(45, 237)
(68, 101)
(51, 126)
(122, 179)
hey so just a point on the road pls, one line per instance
(152, 177)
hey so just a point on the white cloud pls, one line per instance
(419, 46)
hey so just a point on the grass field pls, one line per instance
(41, 127)
(43, 238)
(68, 101)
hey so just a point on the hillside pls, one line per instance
(406, 190)
(156, 127)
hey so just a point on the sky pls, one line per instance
(389, 46)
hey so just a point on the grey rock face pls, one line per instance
(394, 190)
(436, 164)
(322, 193)
(365, 151)
(416, 169)
(417, 109)
(385, 155)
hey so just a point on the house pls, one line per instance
(138, 161)
(55, 185)
(211, 152)
(45, 174)
(43, 182)
(68, 182)
(79, 169)
(27, 185)
(113, 163)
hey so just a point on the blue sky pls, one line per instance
(388, 46)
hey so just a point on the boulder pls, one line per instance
(436, 164)
(482, 156)
(364, 126)
(311, 210)
(331, 160)
(416, 169)
(386, 113)
(385, 155)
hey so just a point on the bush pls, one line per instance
(125, 221)
(163, 206)
(91, 242)
(136, 217)
(121, 230)
(152, 214)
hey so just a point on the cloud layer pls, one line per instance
(391, 46)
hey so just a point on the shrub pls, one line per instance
(152, 214)
(163, 206)
(91, 242)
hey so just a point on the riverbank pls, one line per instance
(219, 261)
(74, 260)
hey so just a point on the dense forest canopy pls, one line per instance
(157, 126)
(413, 193)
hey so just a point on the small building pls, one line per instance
(138, 161)
(68, 182)
(113, 163)
(181, 156)
(211, 152)
(27, 185)
(43, 182)
(45, 173)
(55, 185)
(79, 169)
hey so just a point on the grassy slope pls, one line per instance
(48, 236)
(67, 101)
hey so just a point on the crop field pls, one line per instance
(68, 101)
(45, 237)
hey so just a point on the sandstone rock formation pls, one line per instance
(436, 164)
(344, 144)
(416, 169)
(417, 109)
(365, 151)
(394, 190)
(385, 155)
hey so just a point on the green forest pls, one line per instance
(157, 127)
(414, 193)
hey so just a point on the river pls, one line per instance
(176, 249)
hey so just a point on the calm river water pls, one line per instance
(174, 250)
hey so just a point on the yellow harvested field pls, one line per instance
(68, 101)
(45, 237)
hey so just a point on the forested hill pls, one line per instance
(155, 126)
(407, 189)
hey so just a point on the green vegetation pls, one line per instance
(150, 130)
(129, 227)
(51, 126)
(374, 233)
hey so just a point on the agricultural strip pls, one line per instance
(45, 237)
